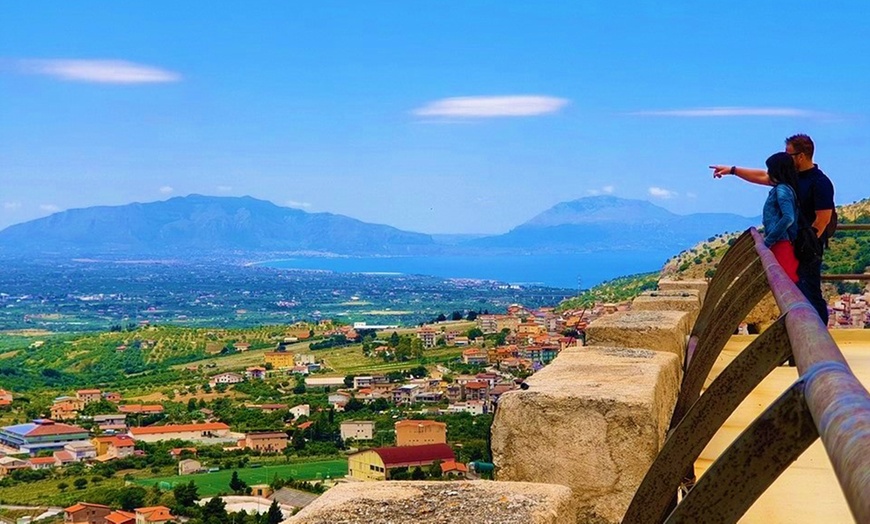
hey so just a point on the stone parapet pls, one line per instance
(593, 420)
(455, 502)
(688, 300)
(678, 285)
(656, 330)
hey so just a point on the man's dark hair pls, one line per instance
(802, 144)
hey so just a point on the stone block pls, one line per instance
(657, 330)
(675, 300)
(593, 420)
(456, 502)
(671, 285)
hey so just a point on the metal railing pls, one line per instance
(826, 401)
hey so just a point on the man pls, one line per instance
(815, 194)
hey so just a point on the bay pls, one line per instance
(562, 271)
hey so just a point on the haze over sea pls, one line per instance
(563, 271)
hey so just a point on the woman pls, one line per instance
(780, 212)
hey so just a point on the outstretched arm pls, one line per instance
(756, 176)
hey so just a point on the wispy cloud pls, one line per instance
(606, 190)
(691, 195)
(224, 189)
(51, 208)
(658, 192)
(491, 106)
(11, 206)
(98, 71)
(166, 189)
(700, 112)
(294, 203)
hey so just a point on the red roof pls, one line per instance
(306, 425)
(476, 385)
(119, 441)
(41, 460)
(175, 428)
(49, 427)
(84, 505)
(412, 455)
(88, 391)
(452, 465)
(121, 517)
(141, 408)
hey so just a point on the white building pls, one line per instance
(358, 429)
(302, 410)
(227, 378)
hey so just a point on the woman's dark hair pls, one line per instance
(780, 168)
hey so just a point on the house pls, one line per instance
(203, 432)
(339, 400)
(141, 409)
(302, 410)
(405, 394)
(114, 447)
(279, 359)
(10, 464)
(361, 382)
(111, 396)
(121, 517)
(116, 422)
(451, 468)
(226, 378)
(476, 391)
(66, 408)
(266, 442)
(474, 357)
(420, 432)
(375, 464)
(270, 408)
(153, 515)
(89, 395)
(474, 407)
(86, 513)
(256, 372)
(41, 435)
(42, 462)
(241, 347)
(357, 429)
(176, 452)
(62, 458)
(5, 397)
(189, 466)
(81, 450)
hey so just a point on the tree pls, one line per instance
(274, 516)
(186, 494)
(394, 339)
(440, 318)
(131, 498)
(236, 484)
(474, 333)
(62, 486)
(215, 511)
(456, 315)
(348, 381)
(418, 474)
(191, 405)
(472, 315)
(80, 483)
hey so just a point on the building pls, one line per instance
(302, 410)
(404, 394)
(256, 372)
(476, 391)
(41, 435)
(189, 466)
(474, 407)
(5, 397)
(86, 513)
(204, 432)
(428, 336)
(141, 409)
(226, 378)
(114, 447)
(363, 382)
(66, 408)
(339, 400)
(375, 464)
(42, 462)
(279, 359)
(153, 515)
(89, 395)
(267, 441)
(475, 357)
(420, 432)
(121, 517)
(451, 468)
(357, 430)
(78, 451)
(116, 422)
(10, 464)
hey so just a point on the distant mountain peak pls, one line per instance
(600, 208)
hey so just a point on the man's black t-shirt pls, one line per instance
(815, 191)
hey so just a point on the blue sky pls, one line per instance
(439, 117)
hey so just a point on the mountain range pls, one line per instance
(198, 225)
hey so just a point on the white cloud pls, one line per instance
(606, 190)
(293, 203)
(99, 71)
(11, 206)
(733, 111)
(492, 106)
(51, 208)
(691, 195)
(166, 190)
(224, 189)
(658, 192)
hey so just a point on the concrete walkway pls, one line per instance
(808, 491)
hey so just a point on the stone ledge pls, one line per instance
(656, 330)
(688, 300)
(454, 502)
(671, 285)
(594, 420)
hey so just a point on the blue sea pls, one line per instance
(562, 271)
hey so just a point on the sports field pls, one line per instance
(213, 483)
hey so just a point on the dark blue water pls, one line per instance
(564, 271)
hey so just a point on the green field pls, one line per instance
(213, 483)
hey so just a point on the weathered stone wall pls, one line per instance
(448, 502)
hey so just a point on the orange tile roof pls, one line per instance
(121, 517)
(141, 408)
(84, 505)
(88, 391)
(416, 423)
(306, 425)
(155, 513)
(174, 428)
(41, 460)
(452, 465)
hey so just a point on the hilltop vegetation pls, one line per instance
(616, 290)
